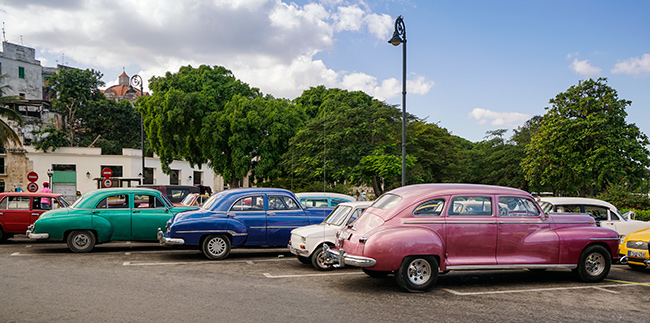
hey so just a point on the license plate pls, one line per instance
(636, 254)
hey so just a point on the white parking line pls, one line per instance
(601, 287)
(200, 262)
(267, 275)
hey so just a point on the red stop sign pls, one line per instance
(32, 176)
(107, 172)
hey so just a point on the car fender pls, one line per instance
(103, 228)
(58, 226)
(388, 247)
(192, 230)
(575, 239)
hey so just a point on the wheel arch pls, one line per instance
(390, 247)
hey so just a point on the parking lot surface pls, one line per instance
(143, 282)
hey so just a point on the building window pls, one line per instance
(21, 72)
(198, 178)
(3, 171)
(2, 186)
(117, 170)
(148, 175)
(173, 177)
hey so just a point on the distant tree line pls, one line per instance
(333, 139)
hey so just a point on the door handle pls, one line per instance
(270, 213)
(136, 211)
(36, 214)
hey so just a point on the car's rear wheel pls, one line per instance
(375, 273)
(417, 273)
(216, 247)
(81, 241)
(594, 264)
(320, 260)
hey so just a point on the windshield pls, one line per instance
(188, 199)
(338, 215)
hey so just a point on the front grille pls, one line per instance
(637, 245)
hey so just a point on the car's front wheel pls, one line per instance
(320, 260)
(216, 247)
(81, 241)
(594, 264)
(417, 273)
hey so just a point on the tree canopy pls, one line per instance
(584, 144)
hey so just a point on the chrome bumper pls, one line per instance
(167, 241)
(36, 236)
(298, 252)
(341, 258)
(624, 261)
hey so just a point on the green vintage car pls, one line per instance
(128, 214)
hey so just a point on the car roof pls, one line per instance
(325, 194)
(410, 191)
(29, 194)
(577, 200)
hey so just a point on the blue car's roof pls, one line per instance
(223, 200)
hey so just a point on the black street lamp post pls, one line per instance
(136, 81)
(399, 37)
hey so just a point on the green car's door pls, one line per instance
(116, 210)
(149, 214)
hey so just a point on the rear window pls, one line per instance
(387, 201)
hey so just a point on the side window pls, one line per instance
(314, 202)
(471, 205)
(250, 203)
(517, 206)
(147, 201)
(18, 203)
(282, 203)
(597, 212)
(3, 203)
(336, 202)
(568, 208)
(430, 208)
(114, 202)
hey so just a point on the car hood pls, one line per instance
(316, 229)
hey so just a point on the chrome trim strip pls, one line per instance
(600, 239)
(492, 222)
(472, 222)
(232, 233)
(523, 266)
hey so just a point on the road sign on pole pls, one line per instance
(32, 176)
(32, 187)
(107, 182)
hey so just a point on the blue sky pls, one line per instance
(473, 66)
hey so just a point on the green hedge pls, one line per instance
(626, 200)
(642, 215)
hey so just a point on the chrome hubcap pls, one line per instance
(81, 240)
(322, 259)
(595, 264)
(419, 271)
(216, 246)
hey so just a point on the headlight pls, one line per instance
(637, 245)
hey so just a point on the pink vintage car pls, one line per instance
(419, 230)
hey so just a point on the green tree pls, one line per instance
(7, 134)
(50, 138)
(584, 143)
(73, 90)
(188, 117)
(348, 137)
(111, 125)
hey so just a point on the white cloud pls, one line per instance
(270, 44)
(633, 65)
(583, 68)
(507, 119)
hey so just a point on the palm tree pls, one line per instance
(8, 135)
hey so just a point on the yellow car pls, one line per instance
(634, 249)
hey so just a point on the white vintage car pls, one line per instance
(606, 214)
(307, 242)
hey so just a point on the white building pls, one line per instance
(79, 169)
(24, 71)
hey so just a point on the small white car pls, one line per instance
(307, 242)
(606, 214)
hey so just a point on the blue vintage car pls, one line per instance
(243, 217)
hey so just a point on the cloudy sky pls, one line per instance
(473, 66)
